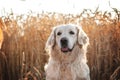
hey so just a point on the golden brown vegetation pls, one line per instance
(25, 37)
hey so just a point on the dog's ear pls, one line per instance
(83, 39)
(51, 40)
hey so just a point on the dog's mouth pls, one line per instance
(66, 49)
(64, 45)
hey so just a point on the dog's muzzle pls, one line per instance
(64, 45)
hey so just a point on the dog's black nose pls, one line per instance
(64, 42)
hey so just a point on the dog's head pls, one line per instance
(66, 37)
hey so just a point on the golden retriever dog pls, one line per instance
(67, 47)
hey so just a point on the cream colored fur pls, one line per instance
(71, 65)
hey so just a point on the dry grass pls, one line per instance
(25, 37)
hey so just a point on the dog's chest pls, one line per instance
(65, 72)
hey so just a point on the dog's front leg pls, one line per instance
(52, 72)
(51, 78)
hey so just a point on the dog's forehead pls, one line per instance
(66, 28)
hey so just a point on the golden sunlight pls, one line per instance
(25, 26)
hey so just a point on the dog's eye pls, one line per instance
(59, 33)
(71, 32)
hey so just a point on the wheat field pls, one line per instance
(25, 37)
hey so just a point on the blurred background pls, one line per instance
(26, 24)
(61, 6)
